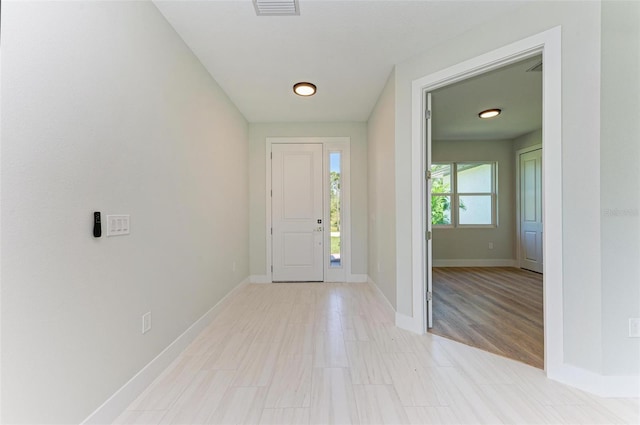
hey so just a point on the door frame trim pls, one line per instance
(518, 191)
(328, 144)
(549, 43)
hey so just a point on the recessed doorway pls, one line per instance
(480, 295)
(308, 213)
(547, 43)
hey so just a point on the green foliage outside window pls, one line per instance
(334, 201)
(440, 205)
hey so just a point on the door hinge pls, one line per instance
(427, 235)
(429, 296)
(271, 269)
(271, 193)
(271, 155)
(427, 174)
(427, 114)
(272, 230)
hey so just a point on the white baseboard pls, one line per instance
(121, 399)
(402, 320)
(357, 278)
(408, 323)
(476, 263)
(259, 278)
(379, 291)
(601, 385)
(627, 386)
(351, 278)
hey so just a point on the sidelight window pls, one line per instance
(335, 205)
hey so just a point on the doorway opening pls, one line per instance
(548, 45)
(308, 216)
(297, 220)
(481, 297)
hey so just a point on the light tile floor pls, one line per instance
(320, 353)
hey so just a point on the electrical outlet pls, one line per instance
(146, 322)
(634, 327)
(233, 267)
(378, 267)
(490, 245)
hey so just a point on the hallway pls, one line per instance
(299, 353)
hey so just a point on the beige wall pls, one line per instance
(527, 140)
(382, 224)
(105, 109)
(258, 133)
(473, 243)
(620, 181)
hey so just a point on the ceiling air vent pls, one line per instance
(276, 7)
(536, 68)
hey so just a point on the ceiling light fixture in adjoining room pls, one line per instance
(304, 89)
(490, 113)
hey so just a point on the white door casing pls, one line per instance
(549, 44)
(297, 212)
(429, 226)
(329, 144)
(530, 210)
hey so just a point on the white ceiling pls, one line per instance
(512, 89)
(347, 48)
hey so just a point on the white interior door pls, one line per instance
(297, 242)
(427, 198)
(531, 210)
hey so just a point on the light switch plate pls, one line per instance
(118, 225)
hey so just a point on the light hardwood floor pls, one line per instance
(330, 354)
(497, 309)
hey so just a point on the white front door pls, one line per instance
(297, 213)
(531, 210)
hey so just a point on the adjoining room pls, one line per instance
(486, 212)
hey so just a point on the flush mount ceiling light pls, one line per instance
(304, 89)
(490, 113)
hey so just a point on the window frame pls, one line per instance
(455, 195)
(340, 263)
